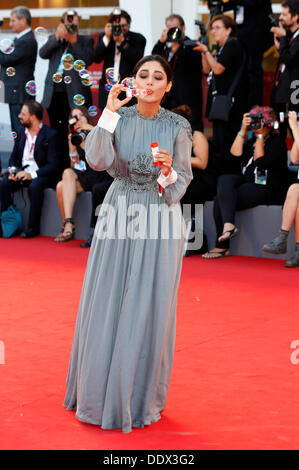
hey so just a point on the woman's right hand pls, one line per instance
(245, 123)
(293, 121)
(113, 103)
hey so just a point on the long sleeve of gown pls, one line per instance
(182, 165)
(99, 146)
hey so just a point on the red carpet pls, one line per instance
(233, 384)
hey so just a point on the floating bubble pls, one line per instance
(67, 79)
(13, 135)
(110, 76)
(79, 65)
(67, 61)
(108, 87)
(85, 80)
(41, 34)
(7, 46)
(57, 77)
(92, 111)
(83, 72)
(129, 83)
(78, 100)
(30, 88)
(10, 71)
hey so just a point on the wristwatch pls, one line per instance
(259, 136)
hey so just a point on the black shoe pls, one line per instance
(29, 233)
(293, 262)
(87, 244)
(276, 247)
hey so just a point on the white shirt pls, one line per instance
(18, 36)
(28, 154)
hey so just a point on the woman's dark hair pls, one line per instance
(183, 110)
(34, 108)
(292, 5)
(155, 58)
(84, 111)
(227, 21)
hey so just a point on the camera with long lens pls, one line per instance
(258, 119)
(77, 137)
(273, 20)
(176, 35)
(69, 25)
(216, 6)
(116, 26)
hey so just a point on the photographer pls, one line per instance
(290, 215)
(59, 95)
(286, 38)
(80, 177)
(119, 47)
(263, 176)
(186, 66)
(253, 31)
(223, 69)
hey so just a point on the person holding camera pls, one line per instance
(119, 48)
(63, 81)
(80, 177)
(34, 163)
(290, 214)
(186, 67)
(286, 38)
(263, 176)
(22, 61)
(224, 69)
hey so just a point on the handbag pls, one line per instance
(11, 221)
(222, 104)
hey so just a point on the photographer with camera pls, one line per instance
(225, 73)
(119, 48)
(186, 67)
(34, 163)
(290, 214)
(63, 82)
(286, 38)
(80, 177)
(262, 179)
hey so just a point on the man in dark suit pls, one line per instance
(59, 95)
(121, 52)
(22, 62)
(186, 65)
(286, 37)
(253, 30)
(34, 163)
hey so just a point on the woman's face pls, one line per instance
(79, 115)
(219, 32)
(152, 78)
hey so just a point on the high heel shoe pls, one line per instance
(68, 235)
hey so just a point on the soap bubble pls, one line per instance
(13, 135)
(67, 79)
(83, 72)
(67, 61)
(129, 83)
(10, 71)
(110, 76)
(92, 111)
(57, 77)
(78, 100)
(30, 88)
(41, 34)
(79, 65)
(108, 87)
(85, 80)
(7, 46)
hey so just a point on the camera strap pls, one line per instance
(235, 82)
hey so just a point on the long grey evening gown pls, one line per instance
(123, 347)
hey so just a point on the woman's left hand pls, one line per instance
(165, 161)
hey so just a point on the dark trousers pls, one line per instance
(233, 194)
(58, 112)
(99, 191)
(36, 196)
(14, 111)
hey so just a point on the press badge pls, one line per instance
(260, 176)
(240, 15)
(80, 166)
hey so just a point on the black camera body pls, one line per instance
(215, 6)
(116, 26)
(70, 26)
(257, 120)
(273, 20)
(77, 137)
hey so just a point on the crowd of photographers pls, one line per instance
(243, 164)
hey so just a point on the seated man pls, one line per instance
(34, 163)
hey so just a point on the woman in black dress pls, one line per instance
(221, 70)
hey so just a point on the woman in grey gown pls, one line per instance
(123, 347)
